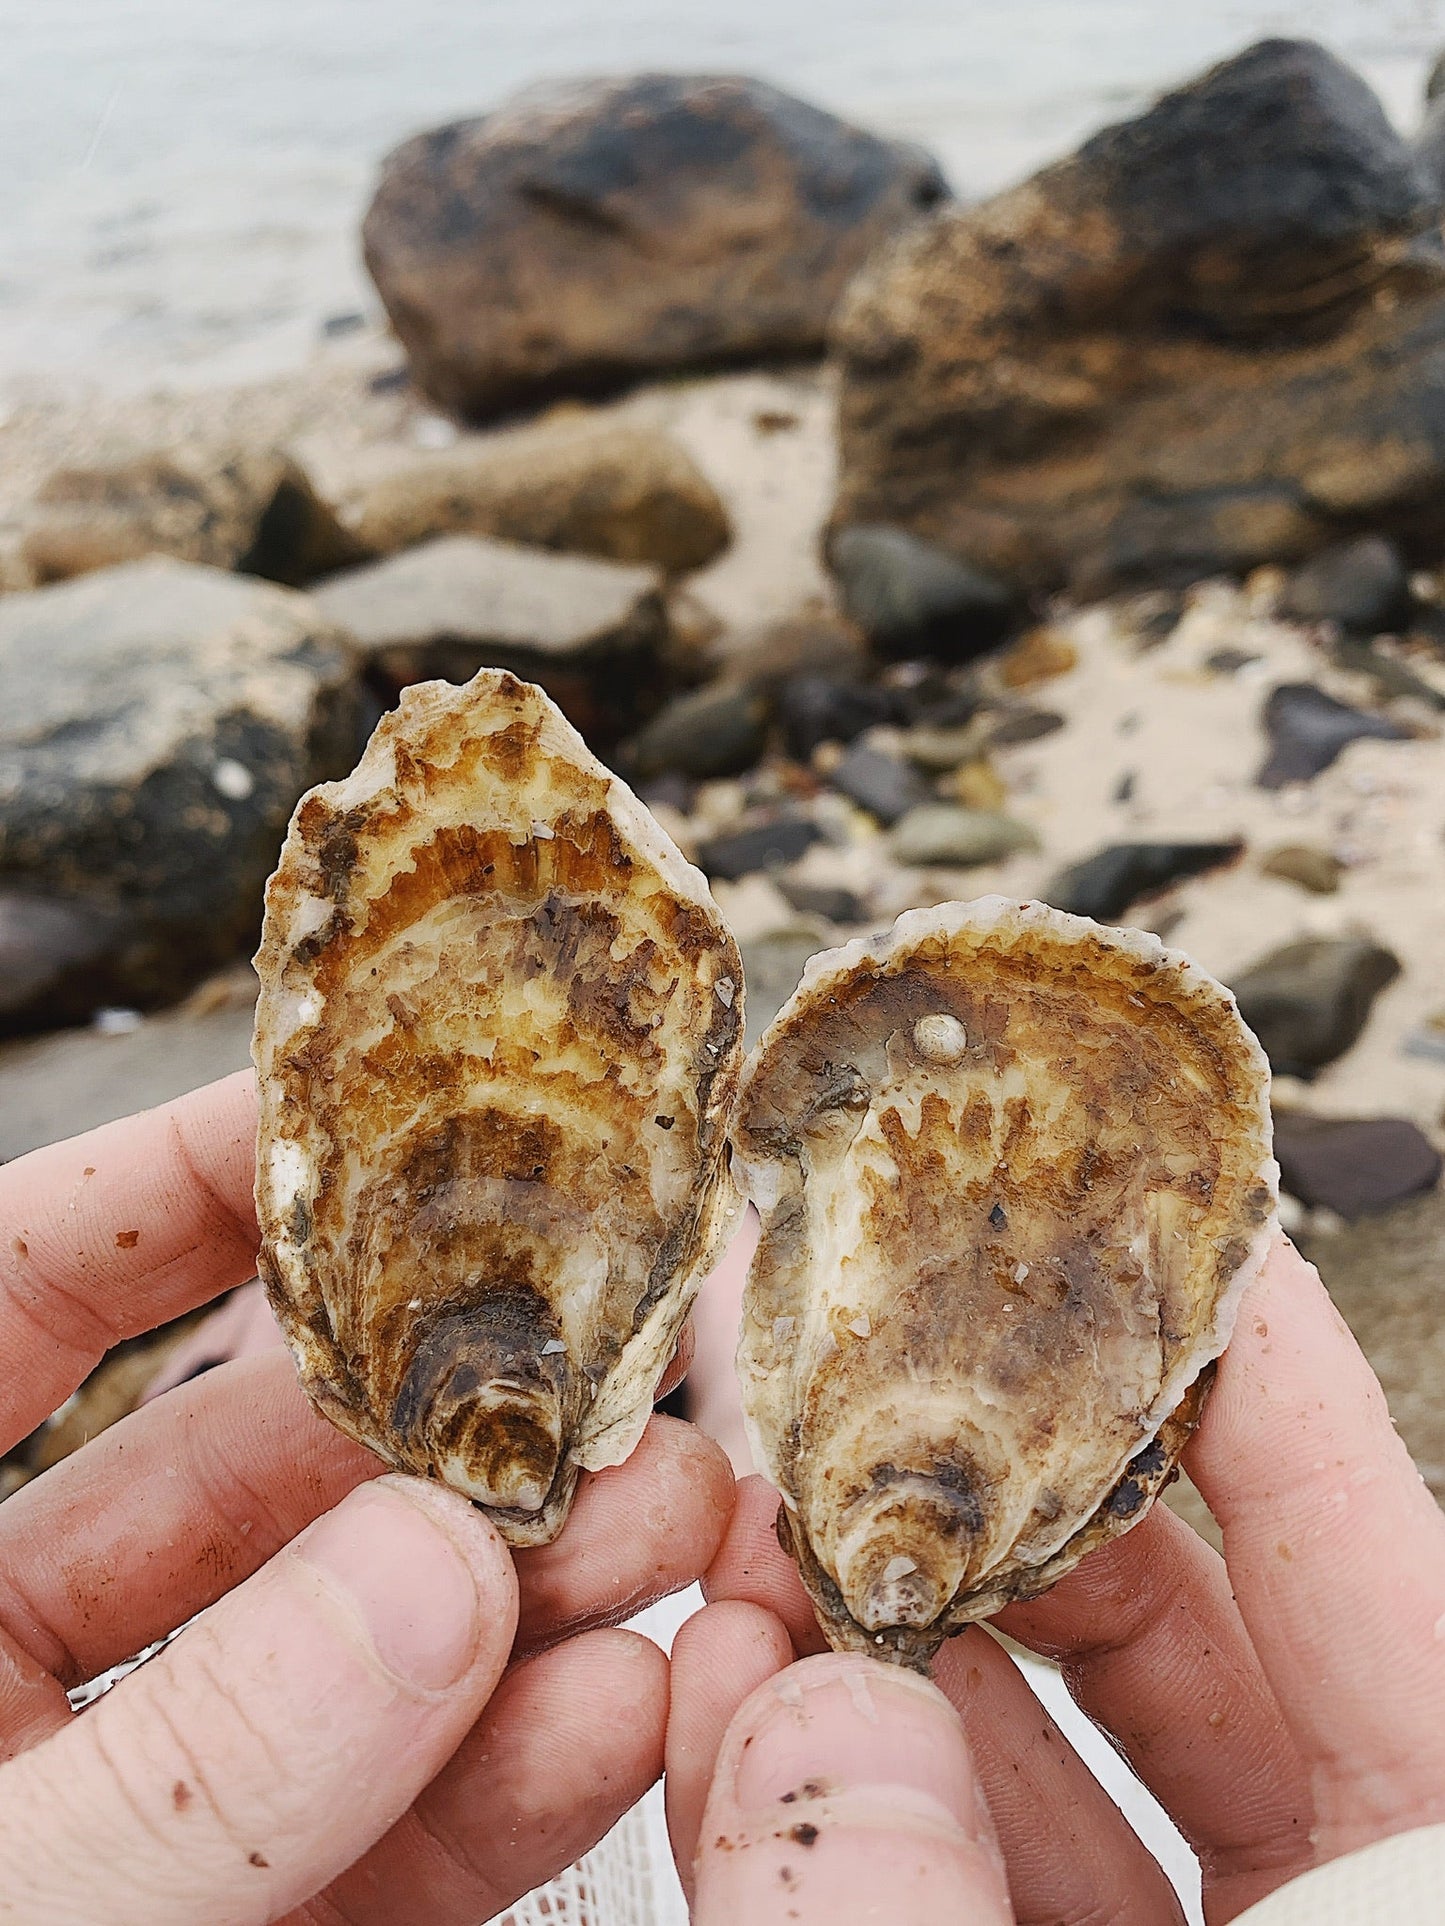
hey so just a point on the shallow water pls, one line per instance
(182, 179)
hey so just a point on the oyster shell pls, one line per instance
(1014, 1174)
(498, 1039)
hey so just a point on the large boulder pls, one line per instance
(160, 721)
(593, 634)
(624, 492)
(592, 232)
(1211, 338)
(249, 509)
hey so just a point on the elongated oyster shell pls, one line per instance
(1014, 1174)
(498, 1040)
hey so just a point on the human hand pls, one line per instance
(1286, 1704)
(385, 1718)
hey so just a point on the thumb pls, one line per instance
(281, 1734)
(844, 1791)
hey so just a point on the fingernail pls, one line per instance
(386, 1554)
(838, 1724)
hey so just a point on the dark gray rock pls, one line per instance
(1016, 726)
(591, 232)
(834, 905)
(884, 786)
(160, 722)
(1353, 1165)
(1230, 661)
(1111, 881)
(911, 598)
(771, 845)
(591, 633)
(1307, 729)
(948, 836)
(1210, 338)
(821, 708)
(772, 965)
(717, 731)
(1363, 585)
(1308, 1002)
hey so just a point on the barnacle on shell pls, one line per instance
(498, 1040)
(1014, 1174)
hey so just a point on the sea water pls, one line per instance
(181, 181)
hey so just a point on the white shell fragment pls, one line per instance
(495, 1079)
(1029, 1159)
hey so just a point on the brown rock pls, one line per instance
(1037, 656)
(1313, 869)
(591, 232)
(628, 494)
(1205, 341)
(249, 509)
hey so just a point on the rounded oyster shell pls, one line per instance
(1014, 1174)
(498, 1039)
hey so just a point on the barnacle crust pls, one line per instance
(1014, 1174)
(497, 1043)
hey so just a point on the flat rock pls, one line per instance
(911, 598)
(1307, 729)
(832, 902)
(591, 633)
(884, 786)
(948, 835)
(160, 722)
(590, 232)
(1209, 339)
(770, 845)
(254, 510)
(624, 492)
(1108, 883)
(813, 709)
(1308, 1002)
(717, 731)
(1353, 1165)
(1315, 870)
(1362, 585)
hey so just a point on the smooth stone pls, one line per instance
(772, 966)
(1105, 885)
(588, 233)
(1038, 656)
(1362, 585)
(1309, 1001)
(911, 598)
(1230, 661)
(1150, 363)
(771, 845)
(819, 708)
(941, 750)
(160, 722)
(1353, 1165)
(591, 633)
(833, 903)
(718, 731)
(884, 786)
(624, 492)
(1313, 869)
(946, 835)
(1307, 729)
(1018, 726)
(54, 955)
(253, 510)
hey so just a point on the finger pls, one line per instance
(1153, 1648)
(279, 1736)
(114, 1232)
(571, 1741)
(638, 1532)
(716, 1403)
(165, 1513)
(719, 1656)
(1336, 1552)
(1085, 1862)
(244, 1325)
(234, 1464)
(752, 1566)
(844, 1791)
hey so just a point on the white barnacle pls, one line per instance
(940, 1037)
